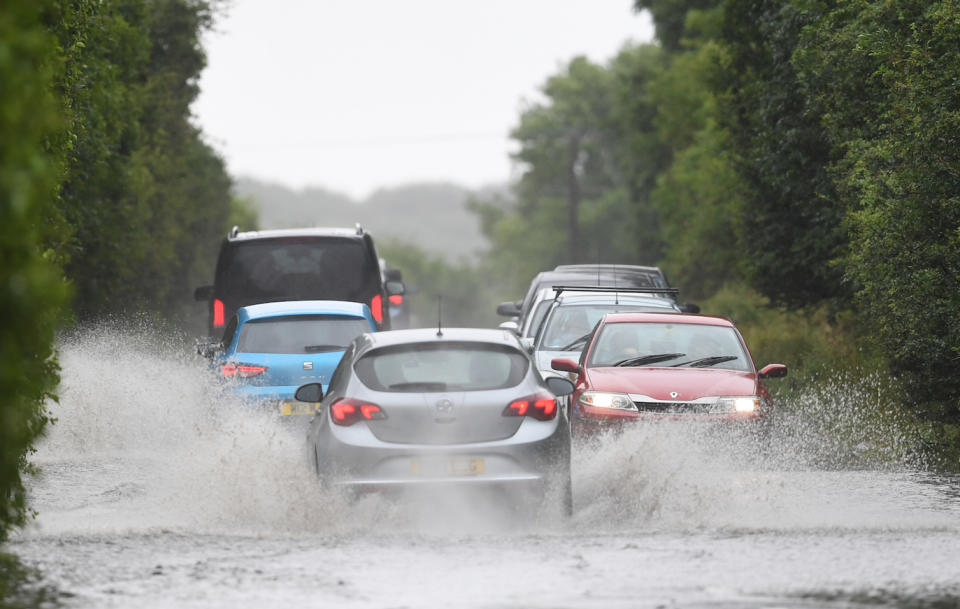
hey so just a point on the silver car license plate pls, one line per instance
(434, 467)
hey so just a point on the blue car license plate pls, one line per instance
(293, 408)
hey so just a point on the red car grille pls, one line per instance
(676, 407)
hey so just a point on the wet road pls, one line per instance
(158, 492)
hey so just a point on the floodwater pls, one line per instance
(158, 491)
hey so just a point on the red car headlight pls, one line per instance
(739, 404)
(603, 399)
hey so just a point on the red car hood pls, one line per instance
(659, 383)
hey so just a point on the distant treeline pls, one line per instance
(110, 201)
(433, 216)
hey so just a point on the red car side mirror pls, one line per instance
(773, 371)
(564, 365)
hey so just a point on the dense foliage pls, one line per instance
(792, 215)
(145, 199)
(107, 190)
(860, 204)
(590, 156)
(885, 75)
(31, 288)
(442, 290)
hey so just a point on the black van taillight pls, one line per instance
(376, 307)
(218, 313)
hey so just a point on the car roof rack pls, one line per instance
(559, 289)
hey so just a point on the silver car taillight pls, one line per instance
(541, 406)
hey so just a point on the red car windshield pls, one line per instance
(669, 344)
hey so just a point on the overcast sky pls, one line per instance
(353, 95)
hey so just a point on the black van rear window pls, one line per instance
(297, 268)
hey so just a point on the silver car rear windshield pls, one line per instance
(300, 333)
(426, 367)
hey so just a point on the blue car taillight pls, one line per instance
(242, 370)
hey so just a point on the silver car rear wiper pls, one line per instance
(703, 362)
(418, 386)
(649, 359)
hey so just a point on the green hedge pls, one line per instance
(31, 287)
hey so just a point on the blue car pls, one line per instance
(270, 349)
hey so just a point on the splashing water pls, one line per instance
(147, 424)
(151, 426)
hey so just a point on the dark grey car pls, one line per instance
(414, 408)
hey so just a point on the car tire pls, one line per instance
(559, 495)
(566, 495)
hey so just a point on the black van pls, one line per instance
(298, 264)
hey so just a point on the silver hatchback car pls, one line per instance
(414, 408)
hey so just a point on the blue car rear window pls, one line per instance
(300, 333)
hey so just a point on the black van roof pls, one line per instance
(235, 235)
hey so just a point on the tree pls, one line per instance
(670, 17)
(791, 219)
(885, 74)
(146, 198)
(699, 194)
(588, 155)
(31, 286)
(468, 291)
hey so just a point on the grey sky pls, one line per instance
(355, 95)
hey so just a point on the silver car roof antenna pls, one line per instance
(358, 228)
(616, 295)
(439, 316)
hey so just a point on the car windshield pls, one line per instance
(568, 327)
(300, 333)
(591, 277)
(440, 367)
(536, 317)
(669, 344)
(297, 268)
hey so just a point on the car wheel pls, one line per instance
(559, 495)
(566, 495)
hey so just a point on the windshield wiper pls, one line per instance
(579, 341)
(418, 385)
(649, 359)
(319, 348)
(703, 362)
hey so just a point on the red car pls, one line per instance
(640, 366)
